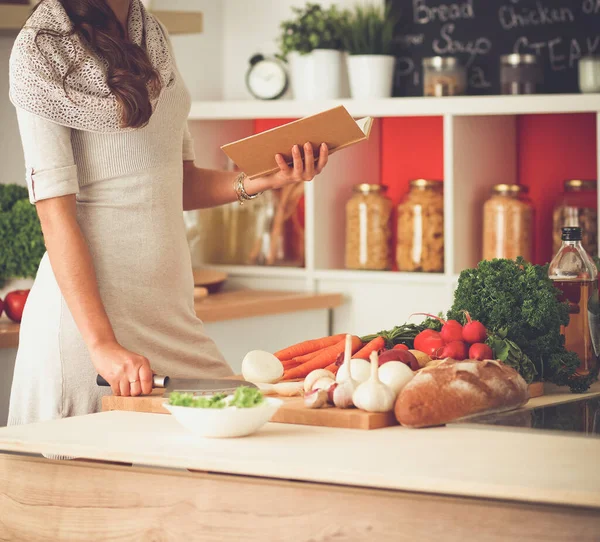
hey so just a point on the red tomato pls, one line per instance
(14, 303)
(1, 306)
(400, 347)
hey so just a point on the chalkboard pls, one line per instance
(478, 32)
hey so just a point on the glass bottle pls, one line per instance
(574, 274)
(368, 232)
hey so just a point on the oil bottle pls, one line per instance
(575, 275)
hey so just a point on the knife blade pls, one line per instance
(195, 386)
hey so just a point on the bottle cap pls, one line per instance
(571, 234)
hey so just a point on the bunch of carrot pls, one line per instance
(301, 359)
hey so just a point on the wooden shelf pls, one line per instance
(177, 22)
(226, 306)
(400, 107)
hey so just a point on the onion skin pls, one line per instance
(400, 355)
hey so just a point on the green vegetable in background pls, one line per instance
(404, 334)
(510, 354)
(21, 240)
(312, 27)
(369, 30)
(517, 302)
(244, 397)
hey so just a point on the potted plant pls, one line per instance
(368, 37)
(21, 240)
(312, 45)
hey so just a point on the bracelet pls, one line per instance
(238, 186)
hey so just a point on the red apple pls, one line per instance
(14, 303)
(1, 306)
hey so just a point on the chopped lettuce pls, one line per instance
(244, 397)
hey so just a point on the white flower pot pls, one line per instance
(318, 75)
(371, 76)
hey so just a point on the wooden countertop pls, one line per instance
(482, 462)
(229, 305)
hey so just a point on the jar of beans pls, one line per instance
(368, 232)
(420, 244)
(508, 223)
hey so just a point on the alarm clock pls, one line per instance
(267, 78)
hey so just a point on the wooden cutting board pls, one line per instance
(292, 411)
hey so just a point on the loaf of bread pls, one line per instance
(455, 389)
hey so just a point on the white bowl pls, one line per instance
(225, 422)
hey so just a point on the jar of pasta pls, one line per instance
(420, 244)
(368, 234)
(578, 207)
(508, 223)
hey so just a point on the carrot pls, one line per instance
(334, 367)
(308, 357)
(290, 364)
(326, 357)
(375, 345)
(306, 347)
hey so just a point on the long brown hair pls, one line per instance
(130, 75)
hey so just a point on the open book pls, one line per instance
(255, 155)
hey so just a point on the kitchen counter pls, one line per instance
(291, 482)
(229, 305)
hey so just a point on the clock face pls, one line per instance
(267, 79)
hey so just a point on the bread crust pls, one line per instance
(455, 389)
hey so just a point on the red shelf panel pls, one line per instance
(551, 149)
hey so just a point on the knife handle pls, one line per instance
(158, 381)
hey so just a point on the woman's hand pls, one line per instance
(126, 372)
(299, 172)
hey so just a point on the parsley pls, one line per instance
(518, 304)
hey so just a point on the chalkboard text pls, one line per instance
(519, 17)
(423, 14)
(448, 45)
(591, 7)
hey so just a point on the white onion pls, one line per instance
(260, 366)
(395, 375)
(361, 370)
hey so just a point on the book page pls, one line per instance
(365, 125)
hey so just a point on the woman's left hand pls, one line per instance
(300, 171)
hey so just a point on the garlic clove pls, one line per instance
(313, 376)
(323, 383)
(315, 399)
(288, 389)
(342, 395)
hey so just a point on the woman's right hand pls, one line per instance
(126, 372)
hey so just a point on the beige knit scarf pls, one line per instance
(37, 68)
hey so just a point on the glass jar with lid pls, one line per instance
(443, 76)
(368, 233)
(577, 207)
(420, 242)
(508, 217)
(520, 74)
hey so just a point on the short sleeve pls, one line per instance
(188, 151)
(50, 166)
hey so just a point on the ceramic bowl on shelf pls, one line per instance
(211, 279)
(225, 422)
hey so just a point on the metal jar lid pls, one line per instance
(441, 62)
(518, 60)
(510, 189)
(366, 188)
(426, 183)
(577, 185)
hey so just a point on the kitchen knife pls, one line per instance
(195, 386)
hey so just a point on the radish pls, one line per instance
(480, 351)
(455, 350)
(473, 331)
(429, 342)
(451, 329)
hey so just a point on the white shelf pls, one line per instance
(398, 107)
(382, 276)
(259, 271)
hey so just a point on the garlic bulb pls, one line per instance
(395, 375)
(360, 369)
(373, 395)
(343, 392)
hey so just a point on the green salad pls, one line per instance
(244, 397)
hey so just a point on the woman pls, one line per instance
(102, 113)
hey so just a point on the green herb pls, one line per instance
(312, 28)
(20, 234)
(244, 397)
(509, 353)
(369, 30)
(404, 334)
(518, 300)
